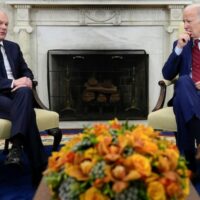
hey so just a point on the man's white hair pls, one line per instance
(195, 7)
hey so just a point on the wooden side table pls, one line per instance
(43, 193)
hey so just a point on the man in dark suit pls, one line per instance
(16, 104)
(184, 61)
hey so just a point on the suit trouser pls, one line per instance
(18, 108)
(186, 104)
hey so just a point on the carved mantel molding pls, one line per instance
(36, 3)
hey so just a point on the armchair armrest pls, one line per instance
(53, 126)
(163, 89)
(38, 102)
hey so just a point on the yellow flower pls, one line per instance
(156, 191)
(75, 171)
(90, 153)
(186, 187)
(140, 163)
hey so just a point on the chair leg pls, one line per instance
(57, 134)
(5, 151)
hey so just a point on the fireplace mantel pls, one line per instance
(36, 3)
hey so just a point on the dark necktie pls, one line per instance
(2, 66)
(1, 55)
(196, 62)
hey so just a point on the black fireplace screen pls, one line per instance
(98, 84)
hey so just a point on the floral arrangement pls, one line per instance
(117, 161)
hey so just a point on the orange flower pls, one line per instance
(153, 177)
(173, 157)
(174, 189)
(163, 164)
(132, 175)
(100, 129)
(145, 131)
(145, 146)
(119, 186)
(69, 144)
(56, 161)
(93, 194)
(115, 124)
(86, 166)
(119, 172)
(82, 164)
(109, 151)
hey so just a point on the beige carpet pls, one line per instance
(46, 139)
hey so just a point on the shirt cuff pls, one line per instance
(12, 84)
(178, 50)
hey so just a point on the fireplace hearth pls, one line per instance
(98, 84)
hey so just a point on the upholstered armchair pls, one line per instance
(162, 117)
(46, 120)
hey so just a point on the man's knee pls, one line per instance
(184, 81)
(24, 92)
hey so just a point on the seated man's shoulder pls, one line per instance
(11, 45)
(9, 42)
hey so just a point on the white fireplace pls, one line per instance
(42, 25)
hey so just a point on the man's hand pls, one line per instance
(197, 84)
(183, 39)
(22, 82)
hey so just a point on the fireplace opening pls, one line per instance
(98, 84)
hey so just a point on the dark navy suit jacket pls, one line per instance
(182, 65)
(178, 65)
(17, 63)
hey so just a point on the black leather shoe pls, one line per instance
(14, 156)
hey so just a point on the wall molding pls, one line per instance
(36, 3)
